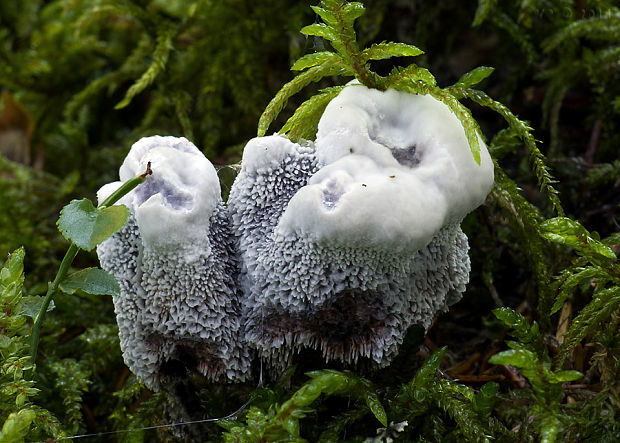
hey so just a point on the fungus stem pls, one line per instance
(67, 260)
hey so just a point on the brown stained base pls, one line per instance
(354, 323)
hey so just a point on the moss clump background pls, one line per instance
(82, 80)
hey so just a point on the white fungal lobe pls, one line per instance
(174, 205)
(177, 266)
(345, 247)
(401, 164)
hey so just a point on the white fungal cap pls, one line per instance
(263, 154)
(178, 272)
(356, 202)
(174, 205)
(396, 168)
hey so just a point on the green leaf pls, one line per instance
(511, 318)
(304, 122)
(31, 305)
(320, 30)
(568, 286)
(515, 321)
(571, 233)
(318, 58)
(16, 426)
(160, 59)
(520, 358)
(549, 427)
(327, 16)
(563, 376)
(384, 50)
(86, 226)
(402, 76)
(428, 369)
(474, 76)
(13, 267)
(336, 10)
(375, 406)
(352, 11)
(338, 27)
(314, 74)
(483, 10)
(484, 400)
(92, 281)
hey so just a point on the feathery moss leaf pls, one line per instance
(182, 102)
(314, 74)
(483, 10)
(304, 122)
(317, 58)
(158, 65)
(520, 328)
(604, 303)
(525, 219)
(606, 27)
(448, 396)
(523, 131)
(321, 30)
(385, 50)
(132, 66)
(505, 22)
(575, 277)
(474, 76)
(571, 233)
(412, 72)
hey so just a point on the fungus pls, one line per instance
(346, 246)
(176, 265)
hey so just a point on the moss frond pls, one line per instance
(606, 27)
(315, 59)
(525, 219)
(132, 66)
(571, 279)
(523, 131)
(316, 73)
(483, 10)
(182, 102)
(589, 319)
(304, 122)
(505, 22)
(163, 47)
(385, 50)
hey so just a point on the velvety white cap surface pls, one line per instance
(181, 194)
(396, 168)
(265, 153)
